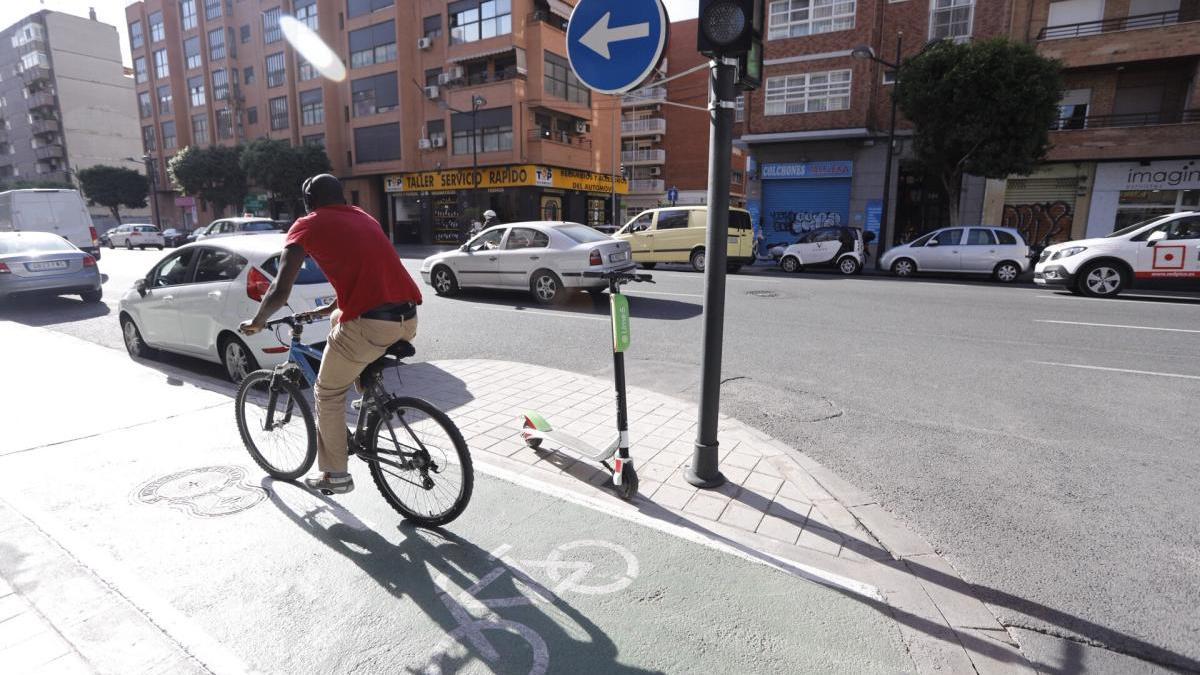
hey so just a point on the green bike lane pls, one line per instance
(162, 506)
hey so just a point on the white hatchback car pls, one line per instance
(839, 247)
(133, 236)
(192, 301)
(227, 227)
(1162, 252)
(999, 252)
(545, 258)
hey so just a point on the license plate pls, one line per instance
(47, 265)
(616, 257)
(321, 302)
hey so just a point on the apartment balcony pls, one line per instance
(646, 127)
(41, 100)
(644, 96)
(558, 148)
(35, 73)
(40, 127)
(1131, 136)
(1144, 37)
(633, 157)
(647, 186)
(52, 151)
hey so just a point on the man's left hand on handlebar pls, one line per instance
(250, 327)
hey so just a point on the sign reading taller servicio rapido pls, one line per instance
(614, 45)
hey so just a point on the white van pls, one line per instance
(61, 212)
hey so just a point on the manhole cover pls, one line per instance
(204, 492)
(763, 294)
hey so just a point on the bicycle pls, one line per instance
(412, 476)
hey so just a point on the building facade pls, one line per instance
(65, 103)
(448, 108)
(1127, 144)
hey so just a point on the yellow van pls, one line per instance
(677, 234)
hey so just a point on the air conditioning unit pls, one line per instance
(424, 144)
(439, 141)
(431, 92)
(582, 127)
(444, 79)
(455, 72)
(424, 43)
(655, 171)
(658, 138)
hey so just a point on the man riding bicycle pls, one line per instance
(375, 307)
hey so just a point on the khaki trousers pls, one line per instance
(351, 346)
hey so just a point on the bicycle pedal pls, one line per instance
(357, 404)
(327, 493)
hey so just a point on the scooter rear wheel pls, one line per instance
(629, 483)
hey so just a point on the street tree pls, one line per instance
(982, 108)
(113, 187)
(214, 175)
(281, 169)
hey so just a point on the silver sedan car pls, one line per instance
(44, 263)
(548, 259)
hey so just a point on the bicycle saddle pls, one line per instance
(398, 351)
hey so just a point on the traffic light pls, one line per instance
(727, 27)
(750, 64)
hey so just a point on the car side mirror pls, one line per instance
(868, 237)
(932, 242)
(1155, 238)
(140, 287)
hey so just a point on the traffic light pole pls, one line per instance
(703, 471)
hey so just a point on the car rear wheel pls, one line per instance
(91, 296)
(444, 282)
(697, 260)
(1006, 272)
(237, 359)
(790, 264)
(1101, 280)
(128, 245)
(904, 267)
(546, 287)
(134, 344)
(848, 265)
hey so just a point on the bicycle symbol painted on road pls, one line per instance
(565, 573)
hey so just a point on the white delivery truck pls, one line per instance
(61, 212)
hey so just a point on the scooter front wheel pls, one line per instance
(629, 483)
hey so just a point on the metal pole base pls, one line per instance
(703, 471)
(707, 484)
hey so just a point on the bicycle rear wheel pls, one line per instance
(276, 424)
(433, 480)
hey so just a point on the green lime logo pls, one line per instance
(619, 306)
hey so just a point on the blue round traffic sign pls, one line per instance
(614, 45)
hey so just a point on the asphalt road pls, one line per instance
(1045, 444)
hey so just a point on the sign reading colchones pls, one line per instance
(512, 175)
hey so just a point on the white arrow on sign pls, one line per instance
(600, 36)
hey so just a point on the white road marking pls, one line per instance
(538, 312)
(1116, 325)
(1117, 370)
(633, 293)
(1181, 299)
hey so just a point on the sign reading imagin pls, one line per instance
(514, 175)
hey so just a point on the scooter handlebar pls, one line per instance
(620, 276)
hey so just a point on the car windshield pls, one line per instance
(310, 273)
(581, 234)
(739, 220)
(34, 242)
(1135, 227)
(258, 226)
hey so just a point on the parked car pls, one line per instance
(546, 258)
(677, 235)
(192, 301)
(1162, 252)
(60, 212)
(173, 237)
(226, 227)
(999, 252)
(838, 247)
(44, 263)
(135, 235)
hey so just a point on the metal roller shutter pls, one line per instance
(794, 206)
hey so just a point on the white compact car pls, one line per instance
(999, 252)
(192, 301)
(545, 258)
(1163, 252)
(135, 236)
(838, 247)
(227, 227)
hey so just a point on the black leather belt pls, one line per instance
(392, 312)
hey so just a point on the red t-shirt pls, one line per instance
(356, 256)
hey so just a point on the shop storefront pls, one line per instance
(438, 207)
(1128, 192)
(798, 197)
(1048, 206)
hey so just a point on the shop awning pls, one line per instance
(480, 55)
(560, 8)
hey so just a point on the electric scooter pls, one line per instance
(536, 429)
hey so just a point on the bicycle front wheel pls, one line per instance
(276, 424)
(426, 474)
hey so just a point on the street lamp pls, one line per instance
(865, 52)
(152, 176)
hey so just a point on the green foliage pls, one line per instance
(281, 169)
(212, 174)
(983, 108)
(35, 184)
(113, 187)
